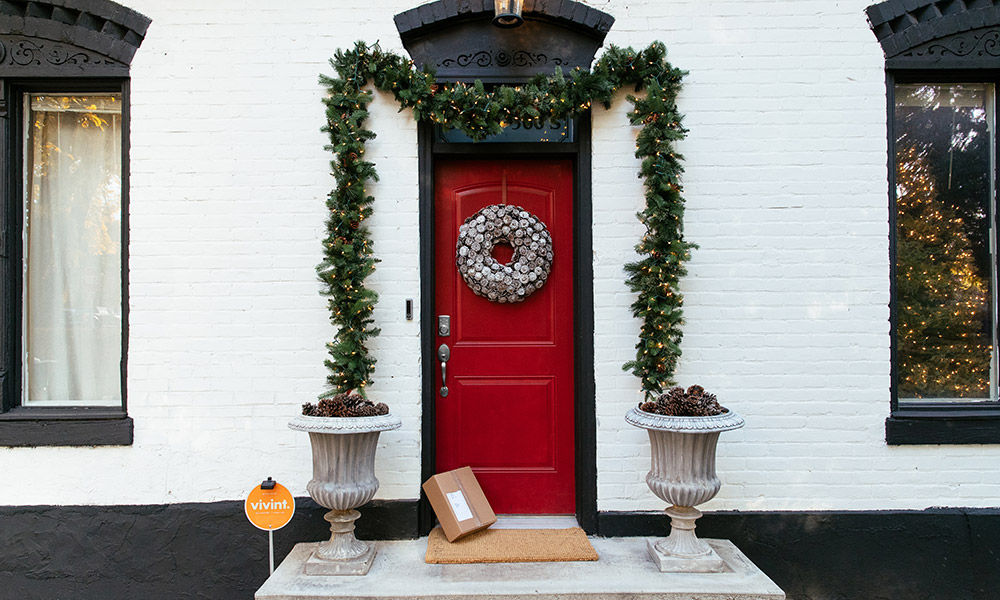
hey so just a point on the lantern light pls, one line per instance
(507, 13)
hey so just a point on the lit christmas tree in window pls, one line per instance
(943, 266)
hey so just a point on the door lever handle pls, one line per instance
(444, 354)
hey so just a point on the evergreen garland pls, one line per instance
(479, 113)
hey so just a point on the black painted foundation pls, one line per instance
(935, 554)
(177, 551)
(210, 551)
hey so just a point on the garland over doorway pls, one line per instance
(479, 113)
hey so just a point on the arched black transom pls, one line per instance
(59, 38)
(938, 33)
(457, 39)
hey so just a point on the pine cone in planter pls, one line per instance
(678, 402)
(344, 405)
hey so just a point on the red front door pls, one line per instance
(509, 409)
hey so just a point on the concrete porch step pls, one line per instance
(623, 572)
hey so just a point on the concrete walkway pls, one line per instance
(623, 572)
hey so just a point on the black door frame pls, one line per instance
(583, 303)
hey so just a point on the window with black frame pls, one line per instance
(944, 302)
(941, 76)
(64, 222)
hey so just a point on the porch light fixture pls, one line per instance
(507, 13)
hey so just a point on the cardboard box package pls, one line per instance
(459, 503)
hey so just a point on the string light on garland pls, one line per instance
(480, 113)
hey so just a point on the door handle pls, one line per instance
(444, 354)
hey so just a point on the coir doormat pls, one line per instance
(510, 545)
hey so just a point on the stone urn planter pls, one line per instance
(682, 474)
(343, 459)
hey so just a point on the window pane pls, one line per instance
(945, 334)
(72, 250)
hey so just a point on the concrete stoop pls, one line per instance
(623, 572)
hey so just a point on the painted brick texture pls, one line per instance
(227, 329)
(786, 301)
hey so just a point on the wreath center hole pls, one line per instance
(502, 252)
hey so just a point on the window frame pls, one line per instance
(931, 422)
(51, 426)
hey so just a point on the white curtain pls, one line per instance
(72, 305)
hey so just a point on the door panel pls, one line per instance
(495, 399)
(509, 412)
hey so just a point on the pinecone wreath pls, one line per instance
(529, 267)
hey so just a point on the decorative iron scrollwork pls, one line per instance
(981, 43)
(502, 58)
(25, 52)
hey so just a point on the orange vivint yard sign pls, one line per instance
(270, 506)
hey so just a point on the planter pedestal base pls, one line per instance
(682, 551)
(342, 554)
(355, 566)
(666, 563)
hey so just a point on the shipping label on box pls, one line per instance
(459, 506)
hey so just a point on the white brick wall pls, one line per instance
(227, 329)
(785, 301)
